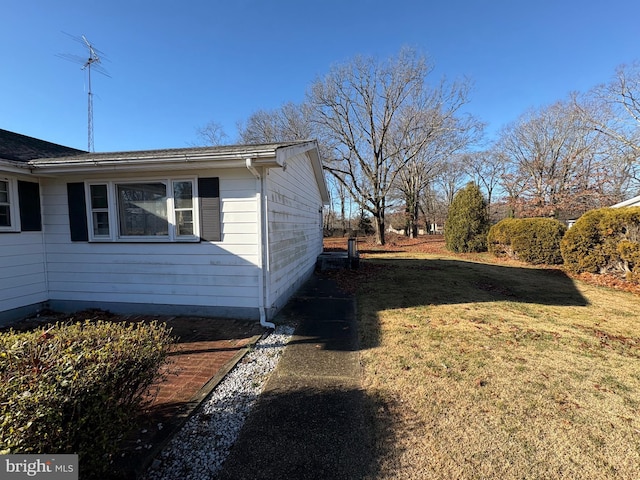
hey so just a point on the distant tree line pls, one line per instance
(398, 142)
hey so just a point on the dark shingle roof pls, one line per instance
(21, 148)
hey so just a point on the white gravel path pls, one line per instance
(201, 446)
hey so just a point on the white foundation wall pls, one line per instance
(211, 275)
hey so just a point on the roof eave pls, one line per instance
(318, 172)
(12, 166)
(150, 162)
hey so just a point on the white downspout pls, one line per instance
(262, 238)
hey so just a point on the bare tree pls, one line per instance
(487, 169)
(376, 117)
(412, 182)
(455, 135)
(620, 169)
(614, 108)
(212, 134)
(554, 152)
(289, 122)
(451, 178)
(514, 184)
(433, 208)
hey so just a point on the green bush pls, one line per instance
(605, 240)
(499, 238)
(532, 240)
(76, 388)
(467, 224)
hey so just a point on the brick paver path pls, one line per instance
(205, 346)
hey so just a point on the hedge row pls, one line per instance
(76, 388)
(532, 240)
(606, 240)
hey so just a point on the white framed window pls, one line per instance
(143, 210)
(183, 208)
(9, 218)
(99, 206)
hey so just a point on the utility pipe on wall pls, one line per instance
(262, 239)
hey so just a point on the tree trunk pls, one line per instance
(407, 220)
(379, 223)
(414, 219)
(411, 216)
(342, 213)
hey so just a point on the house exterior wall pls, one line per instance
(294, 211)
(23, 280)
(23, 285)
(207, 278)
(57, 257)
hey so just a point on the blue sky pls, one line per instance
(175, 66)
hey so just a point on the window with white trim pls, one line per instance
(183, 207)
(20, 209)
(158, 210)
(5, 204)
(9, 218)
(99, 202)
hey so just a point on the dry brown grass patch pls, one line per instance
(499, 371)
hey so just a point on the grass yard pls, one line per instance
(483, 368)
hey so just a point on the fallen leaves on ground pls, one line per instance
(433, 244)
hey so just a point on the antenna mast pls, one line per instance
(93, 58)
(94, 61)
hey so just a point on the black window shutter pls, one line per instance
(77, 212)
(29, 203)
(210, 225)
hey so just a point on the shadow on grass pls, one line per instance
(384, 284)
(405, 283)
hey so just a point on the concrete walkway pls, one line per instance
(310, 422)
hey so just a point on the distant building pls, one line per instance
(632, 202)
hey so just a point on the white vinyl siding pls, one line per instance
(22, 276)
(211, 274)
(295, 229)
(76, 250)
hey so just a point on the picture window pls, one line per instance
(143, 210)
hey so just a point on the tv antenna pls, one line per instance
(92, 61)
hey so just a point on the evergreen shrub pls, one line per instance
(532, 240)
(606, 240)
(76, 388)
(467, 224)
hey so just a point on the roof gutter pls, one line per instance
(151, 156)
(140, 164)
(263, 258)
(13, 166)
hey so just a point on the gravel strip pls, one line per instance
(202, 445)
